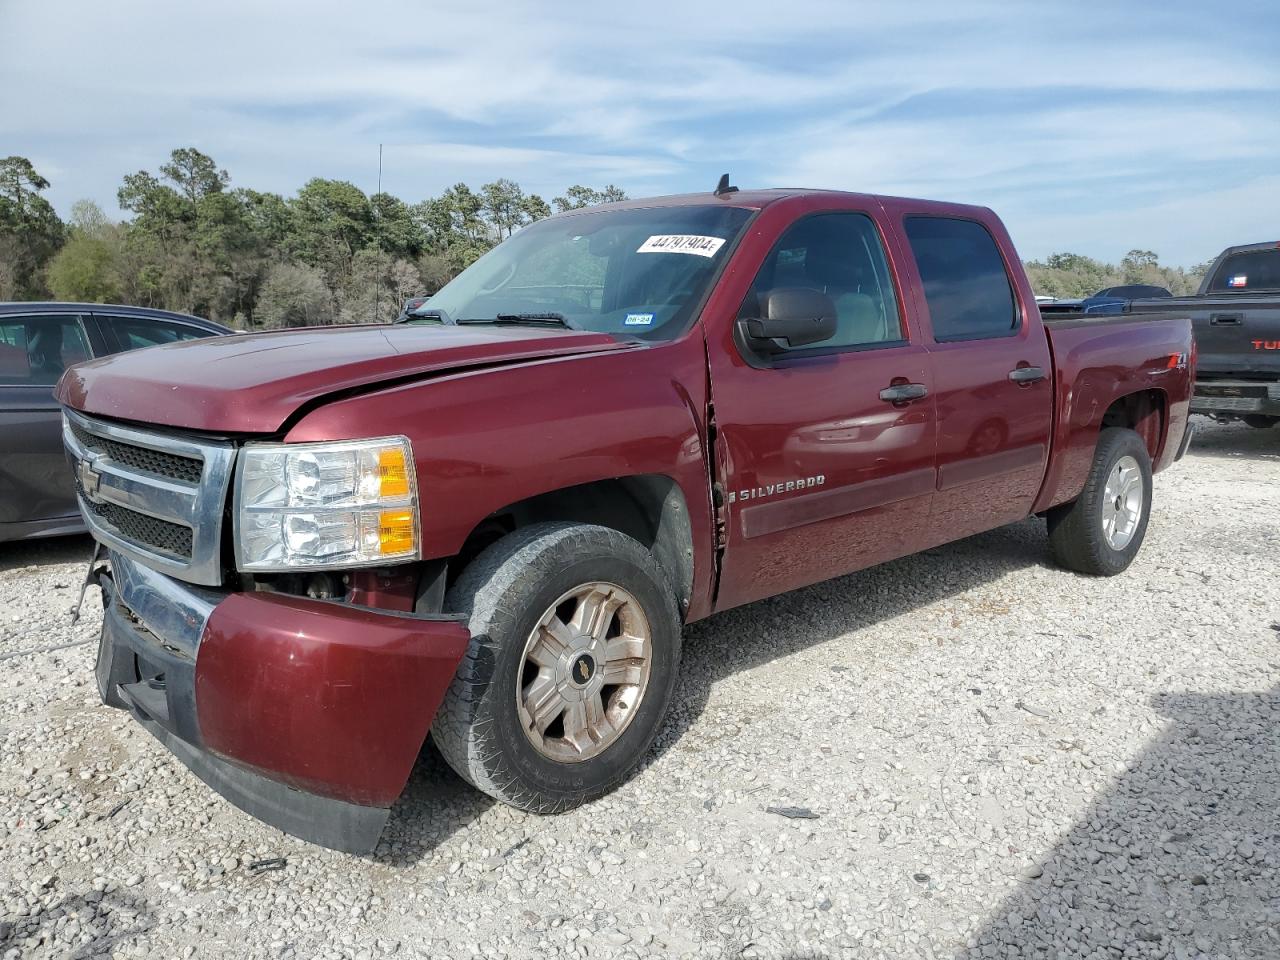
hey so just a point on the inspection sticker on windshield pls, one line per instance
(638, 320)
(682, 243)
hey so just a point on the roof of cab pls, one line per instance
(757, 199)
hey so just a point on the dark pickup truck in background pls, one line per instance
(322, 543)
(1236, 318)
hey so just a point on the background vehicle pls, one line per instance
(1236, 317)
(1106, 300)
(640, 414)
(38, 341)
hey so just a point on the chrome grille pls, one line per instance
(185, 469)
(168, 538)
(154, 497)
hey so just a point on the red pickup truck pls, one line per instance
(493, 522)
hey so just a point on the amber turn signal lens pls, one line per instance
(395, 531)
(393, 473)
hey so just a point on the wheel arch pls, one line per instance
(1145, 412)
(649, 508)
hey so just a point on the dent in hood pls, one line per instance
(252, 383)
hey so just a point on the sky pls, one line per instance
(1089, 127)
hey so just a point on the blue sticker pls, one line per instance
(638, 319)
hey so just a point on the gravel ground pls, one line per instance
(999, 759)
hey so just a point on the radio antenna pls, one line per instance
(723, 187)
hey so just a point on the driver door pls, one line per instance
(819, 474)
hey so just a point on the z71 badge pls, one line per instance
(773, 489)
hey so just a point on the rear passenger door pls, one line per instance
(35, 483)
(992, 375)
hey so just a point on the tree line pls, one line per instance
(1071, 275)
(196, 244)
(329, 254)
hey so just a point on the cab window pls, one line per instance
(134, 333)
(840, 255)
(36, 350)
(965, 282)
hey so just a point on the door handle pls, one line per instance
(904, 392)
(1226, 319)
(1025, 376)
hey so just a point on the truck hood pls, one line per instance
(253, 383)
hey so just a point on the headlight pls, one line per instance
(325, 505)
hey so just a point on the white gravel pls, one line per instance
(1004, 760)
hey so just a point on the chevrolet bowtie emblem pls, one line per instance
(90, 480)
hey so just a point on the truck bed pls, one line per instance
(1238, 336)
(1093, 321)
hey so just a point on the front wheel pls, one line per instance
(1101, 532)
(575, 639)
(1261, 421)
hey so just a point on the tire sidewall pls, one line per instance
(1114, 444)
(574, 559)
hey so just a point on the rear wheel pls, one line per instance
(1261, 421)
(1101, 532)
(575, 638)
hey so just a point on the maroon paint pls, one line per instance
(252, 383)
(815, 416)
(394, 588)
(484, 442)
(993, 434)
(323, 696)
(1094, 366)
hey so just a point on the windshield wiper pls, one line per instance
(424, 315)
(527, 319)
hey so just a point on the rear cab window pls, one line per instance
(966, 284)
(1248, 270)
(35, 350)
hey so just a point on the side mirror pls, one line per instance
(790, 317)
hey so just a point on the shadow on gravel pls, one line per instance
(1179, 859)
(435, 804)
(757, 633)
(110, 920)
(36, 553)
(1234, 441)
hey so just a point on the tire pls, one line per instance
(1260, 421)
(1077, 534)
(505, 594)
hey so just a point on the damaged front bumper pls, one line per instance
(307, 714)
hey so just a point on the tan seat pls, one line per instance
(857, 320)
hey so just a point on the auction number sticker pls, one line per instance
(682, 243)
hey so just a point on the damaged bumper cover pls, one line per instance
(307, 714)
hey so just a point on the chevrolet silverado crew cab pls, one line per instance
(492, 524)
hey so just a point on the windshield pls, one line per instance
(640, 272)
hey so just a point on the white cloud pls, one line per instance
(1054, 103)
